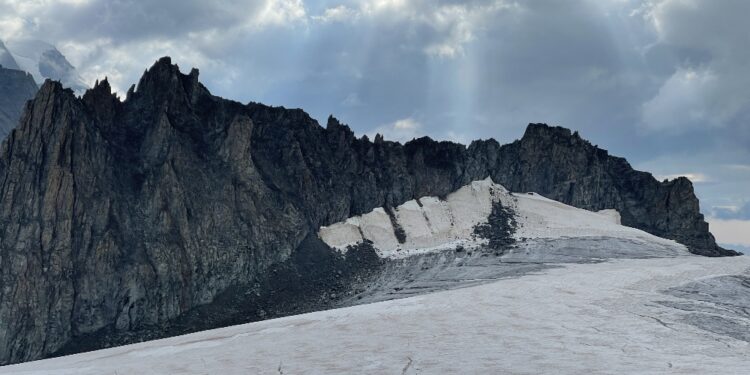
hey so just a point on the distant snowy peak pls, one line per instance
(431, 224)
(6, 58)
(44, 61)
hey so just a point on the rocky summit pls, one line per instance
(175, 210)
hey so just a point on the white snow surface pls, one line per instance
(601, 318)
(432, 224)
(42, 60)
(540, 217)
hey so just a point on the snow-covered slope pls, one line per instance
(625, 316)
(444, 242)
(431, 224)
(43, 61)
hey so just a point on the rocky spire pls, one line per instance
(164, 81)
(102, 102)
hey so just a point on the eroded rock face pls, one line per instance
(562, 166)
(16, 87)
(119, 217)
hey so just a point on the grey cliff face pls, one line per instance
(120, 218)
(16, 87)
(566, 168)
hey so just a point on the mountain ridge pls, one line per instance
(16, 87)
(6, 58)
(44, 61)
(121, 216)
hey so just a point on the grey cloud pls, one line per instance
(709, 86)
(661, 82)
(730, 212)
(128, 20)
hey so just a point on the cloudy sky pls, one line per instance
(661, 82)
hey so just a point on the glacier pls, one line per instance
(573, 291)
(605, 317)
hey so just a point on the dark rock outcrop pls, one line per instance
(499, 229)
(16, 87)
(562, 166)
(121, 217)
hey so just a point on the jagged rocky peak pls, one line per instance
(542, 130)
(333, 125)
(543, 135)
(165, 78)
(102, 102)
(101, 89)
(156, 215)
(38, 130)
(56, 90)
(338, 132)
(101, 86)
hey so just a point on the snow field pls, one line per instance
(432, 224)
(600, 318)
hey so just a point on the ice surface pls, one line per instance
(598, 318)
